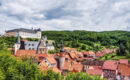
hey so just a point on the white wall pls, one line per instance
(30, 35)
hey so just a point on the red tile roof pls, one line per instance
(76, 67)
(43, 64)
(123, 61)
(124, 69)
(79, 54)
(67, 56)
(94, 71)
(110, 65)
(51, 59)
(24, 40)
(42, 55)
(26, 53)
(43, 68)
(88, 52)
(67, 65)
(72, 55)
(99, 54)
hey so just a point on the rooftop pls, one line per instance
(123, 61)
(124, 69)
(26, 53)
(24, 30)
(110, 65)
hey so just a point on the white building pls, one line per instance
(24, 33)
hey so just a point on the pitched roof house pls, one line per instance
(110, 69)
(95, 70)
(124, 71)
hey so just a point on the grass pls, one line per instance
(119, 57)
(108, 56)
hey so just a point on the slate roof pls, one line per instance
(24, 30)
(92, 63)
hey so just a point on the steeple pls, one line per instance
(62, 47)
(18, 39)
(45, 38)
(61, 56)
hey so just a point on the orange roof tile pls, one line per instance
(43, 64)
(67, 56)
(123, 61)
(42, 55)
(111, 65)
(51, 59)
(43, 68)
(72, 55)
(24, 40)
(66, 65)
(94, 71)
(89, 52)
(99, 54)
(26, 53)
(124, 69)
(76, 67)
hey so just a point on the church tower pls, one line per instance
(17, 44)
(61, 56)
(42, 47)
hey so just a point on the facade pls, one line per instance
(41, 47)
(110, 70)
(24, 33)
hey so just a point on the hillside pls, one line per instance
(95, 41)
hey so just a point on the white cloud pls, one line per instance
(96, 15)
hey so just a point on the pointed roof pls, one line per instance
(41, 44)
(62, 47)
(44, 37)
(18, 39)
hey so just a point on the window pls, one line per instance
(29, 48)
(28, 44)
(32, 44)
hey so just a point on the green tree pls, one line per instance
(127, 49)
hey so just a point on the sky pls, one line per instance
(92, 15)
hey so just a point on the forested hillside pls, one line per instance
(88, 40)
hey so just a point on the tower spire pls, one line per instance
(18, 38)
(62, 47)
(45, 38)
